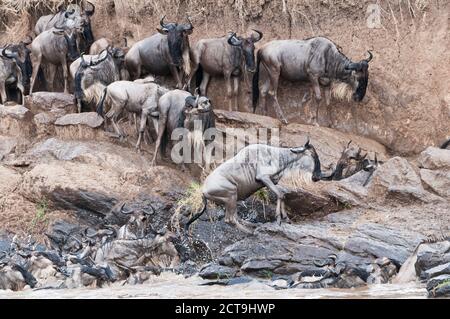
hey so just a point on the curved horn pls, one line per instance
(161, 22)
(260, 36)
(100, 60)
(189, 26)
(125, 42)
(348, 144)
(370, 57)
(12, 55)
(92, 11)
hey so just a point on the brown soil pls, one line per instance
(408, 103)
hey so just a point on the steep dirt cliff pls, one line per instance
(407, 107)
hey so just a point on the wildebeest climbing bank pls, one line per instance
(176, 148)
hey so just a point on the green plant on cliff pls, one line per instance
(40, 217)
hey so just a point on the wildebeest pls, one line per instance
(317, 60)
(139, 98)
(172, 108)
(54, 46)
(166, 52)
(102, 69)
(10, 73)
(446, 144)
(352, 162)
(227, 56)
(76, 17)
(254, 167)
(21, 54)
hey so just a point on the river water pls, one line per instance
(169, 285)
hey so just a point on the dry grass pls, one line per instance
(192, 200)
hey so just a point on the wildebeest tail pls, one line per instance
(100, 108)
(255, 84)
(199, 77)
(197, 215)
(446, 144)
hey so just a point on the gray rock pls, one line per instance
(433, 282)
(435, 158)
(214, 271)
(443, 269)
(396, 180)
(17, 112)
(437, 180)
(382, 241)
(58, 104)
(90, 119)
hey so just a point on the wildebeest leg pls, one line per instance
(265, 179)
(66, 77)
(51, 76)
(177, 76)
(327, 92)
(265, 87)
(142, 126)
(274, 78)
(230, 95)
(36, 61)
(3, 96)
(161, 128)
(22, 91)
(283, 212)
(231, 214)
(316, 87)
(204, 84)
(236, 94)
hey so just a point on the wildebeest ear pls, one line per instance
(162, 31)
(298, 150)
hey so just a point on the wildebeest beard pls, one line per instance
(362, 87)
(176, 46)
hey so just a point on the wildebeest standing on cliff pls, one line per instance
(92, 77)
(75, 17)
(54, 46)
(20, 54)
(166, 52)
(10, 73)
(172, 108)
(227, 56)
(317, 60)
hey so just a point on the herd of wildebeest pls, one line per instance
(117, 81)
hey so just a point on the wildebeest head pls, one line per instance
(359, 77)
(177, 36)
(70, 36)
(86, 24)
(247, 45)
(21, 55)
